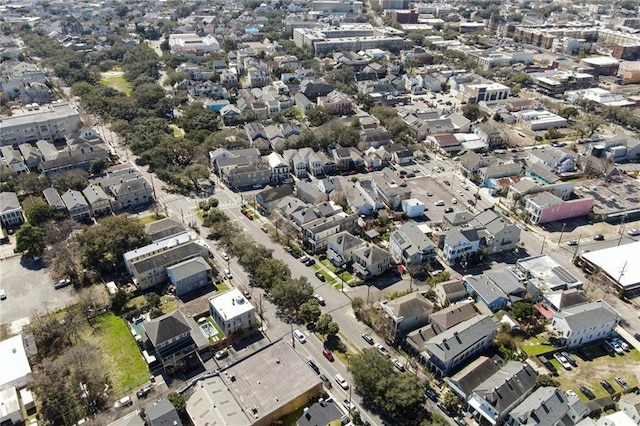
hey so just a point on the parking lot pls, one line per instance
(29, 288)
(430, 190)
(601, 366)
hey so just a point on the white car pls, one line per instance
(563, 361)
(227, 273)
(454, 201)
(398, 364)
(3, 294)
(622, 344)
(225, 256)
(125, 401)
(384, 351)
(341, 381)
(571, 393)
(464, 186)
(633, 232)
(460, 193)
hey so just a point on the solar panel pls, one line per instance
(564, 275)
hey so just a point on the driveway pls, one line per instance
(29, 288)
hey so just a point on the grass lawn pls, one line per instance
(115, 79)
(136, 302)
(328, 265)
(177, 131)
(536, 346)
(602, 367)
(151, 218)
(123, 361)
(222, 287)
(168, 304)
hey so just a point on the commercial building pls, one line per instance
(556, 83)
(484, 92)
(49, 122)
(233, 313)
(193, 44)
(353, 38)
(602, 65)
(544, 275)
(14, 355)
(540, 119)
(545, 207)
(618, 264)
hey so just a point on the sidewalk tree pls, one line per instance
(309, 311)
(291, 293)
(271, 273)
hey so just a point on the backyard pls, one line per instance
(115, 79)
(121, 357)
(602, 367)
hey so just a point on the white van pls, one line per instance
(341, 381)
(298, 334)
(439, 203)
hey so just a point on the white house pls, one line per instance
(585, 323)
(232, 312)
(10, 209)
(459, 243)
(413, 207)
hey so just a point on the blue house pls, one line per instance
(496, 289)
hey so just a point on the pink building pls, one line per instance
(545, 207)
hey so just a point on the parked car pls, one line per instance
(399, 365)
(476, 196)
(587, 392)
(326, 381)
(625, 347)
(607, 386)
(471, 202)
(571, 393)
(460, 193)
(368, 338)
(125, 401)
(609, 349)
(62, 283)
(584, 354)
(320, 299)
(225, 256)
(384, 351)
(615, 346)
(222, 354)
(454, 201)
(320, 276)
(552, 369)
(341, 381)
(598, 237)
(304, 259)
(313, 366)
(446, 182)
(3, 294)
(572, 243)
(431, 394)
(288, 249)
(459, 421)
(633, 232)
(310, 262)
(562, 360)
(328, 354)
(570, 358)
(622, 382)
(448, 210)
(141, 393)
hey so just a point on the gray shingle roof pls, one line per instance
(547, 406)
(590, 314)
(507, 385)
(166, 327)
(452, 316)
(189, 268)
(461, 337)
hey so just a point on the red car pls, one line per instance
(327, 354)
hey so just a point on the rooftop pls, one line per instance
(13, 354)
(212, 403)
(231, 304)
(618, 263)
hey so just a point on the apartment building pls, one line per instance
(49, 122)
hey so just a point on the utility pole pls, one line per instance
(561, 232)
(621, 231)
(575, 252)
(293, 340)
(543, 241)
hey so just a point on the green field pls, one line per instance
(115, 79)
(151, 218)
(122, 359)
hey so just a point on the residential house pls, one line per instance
(233, 313)
(168, 337)
(11, 214)
(410, 245)
(78, 207)
(268, 199)
(340, 246)
(13, 160)
(279, 168)
(470, 377)
(86, 139)
(460, 243)
(470, 163)
(500, 234)
(231, 115)
(316, 232)
(329, 166)
(630, 405)
(152, 270)
(342, 157)
(444, 143)
(162, 413)
(313, 90)
(548, 406)
(329, 185)
(498, 171)
(413, 207)
(451, 316)
(336, 102)
(303, 102)
(309, 213)
(450, 350)
(78, 159)
(450, 291)
(370, 261)
(373, 138)
(563, 299)
(405, 314)
(313, 162)
(126, 187)
(223, 158)
(401, 156)
(558, 160)
(164, 229)
(99, 201)
(389, 189)
(416, 340)
(275, 136)
(323, 412)
(375, 158)
(189, 275)
(491, 401)
(496, 288)
(31, 155)
(581, 324)
(297, 163)
(47, 149)
(52, 197)
(309, 193)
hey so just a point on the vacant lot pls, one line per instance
(123, 361)
(115, 79)
(602, 367)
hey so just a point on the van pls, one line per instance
(326, 381)
(439, 203)
(298, 334)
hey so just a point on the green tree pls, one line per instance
(546, 380)
(178, 402)
(368, 369)
(153, 299)
(98, 166)
(523, 311)
(75, 181)
(327, 326)
(119, 300)
(471, 112)
(38, 212)
(318, 116)
(31, 184)
(309, 311)
(103, 245)
(292, 293)
(195, 172)
(569, 112)
(497, 117)
(451, 401)
(30, 239)
(270, 273)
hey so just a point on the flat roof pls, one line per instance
(618, 262)
(264, 382)
(13, 358)
(231, 304)
(212, 403)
